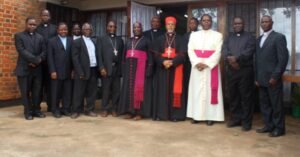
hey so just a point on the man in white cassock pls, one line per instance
(205, 99)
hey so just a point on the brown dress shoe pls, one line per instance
(91, 114)
(75, 115)
(128, 116)
(104, 114)
(114, 114)
(137, 117)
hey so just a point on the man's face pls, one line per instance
(155, 23)
(111, 27)
(266, 24)
(137, 29)
(206, 22)
(170, 26)
(76, 30)
(45, 16)
(87, 30)
(62, 30)
(193, 25)
(31, 25)
(238, 25)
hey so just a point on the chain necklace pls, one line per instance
(134, 44)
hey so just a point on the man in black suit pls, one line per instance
(238, 50)
(60, 68)
(155, 30)
(48, 31)
(86, 71)
(32, 51)
(270, 62)
(110, 50)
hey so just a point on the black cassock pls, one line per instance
(163, 104)
(130, 66)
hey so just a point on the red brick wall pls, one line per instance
(12, 19)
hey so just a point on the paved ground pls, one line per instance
(116, 137)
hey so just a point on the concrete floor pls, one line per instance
(116, 137)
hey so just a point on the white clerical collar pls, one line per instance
(45, 25)
(268, 32)
(154, 30)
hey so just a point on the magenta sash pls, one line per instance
(141, 57)
(214, 75)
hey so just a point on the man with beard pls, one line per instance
(169, 54)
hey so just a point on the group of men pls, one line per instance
(165, 76)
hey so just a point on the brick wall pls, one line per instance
(12, 19)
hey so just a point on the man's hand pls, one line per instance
(231, 59)
(167, 63)
(235, 66)
(256, 83)
(53, 75)
(32, 65)
(272, 82)
(72, 74)
(81, 77)
(103, 72)
(201, 66)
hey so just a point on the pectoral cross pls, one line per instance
(115, 52)
(169, 51)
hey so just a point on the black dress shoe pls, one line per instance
(66, 113)
(91, 114)
(28, 117)
(174, 120)
(263, 130)
(244, 128)
(276, 133)
(232, 124)
(75, 115)
(56, 115)
(39, 114)
(209, 123)
(195, 122)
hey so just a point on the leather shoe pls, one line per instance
(75, 115)
(66, 113)
(263, 130)
(39, 114)
(28, 117)
(232, 124)
(276, 133)
(91, 114)
(246, 128)
(195, 122)
(56, 115)
(104, 114)
(114, 114)
(209, 123)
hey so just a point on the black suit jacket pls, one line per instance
(151, 35)
(47, 32)
(31, 49)
(59, 59)
(271, 59)
(81, 60)
(106, 53)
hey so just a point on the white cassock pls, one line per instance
(205, 98)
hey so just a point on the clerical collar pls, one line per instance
(154, 30)
(45, 25)
(112, 35)
(137, 36)
(170, 34)
(30, 33)
(238, 34)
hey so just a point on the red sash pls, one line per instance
(214, 83)
(177, 86)
(141, 56)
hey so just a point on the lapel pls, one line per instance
(84, 46)
(30, 39)
(60, 44)
(69, 41)
(268, 39)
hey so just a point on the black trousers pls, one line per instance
(111, 87)
(61, 90)
(85, 89)
(240, 85)
(271, 106)
(30, 88)
(46, 85)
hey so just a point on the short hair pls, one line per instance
(45, 10)
(268, 16)
(155, 17)
(29, 18)
(61, 23)
(111, 20)
(207, 16)
(74, 24)
(86, 24)
(238, 17)
(194, 19)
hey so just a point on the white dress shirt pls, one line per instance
(91, 50)
(264, 37)
(64, 41)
